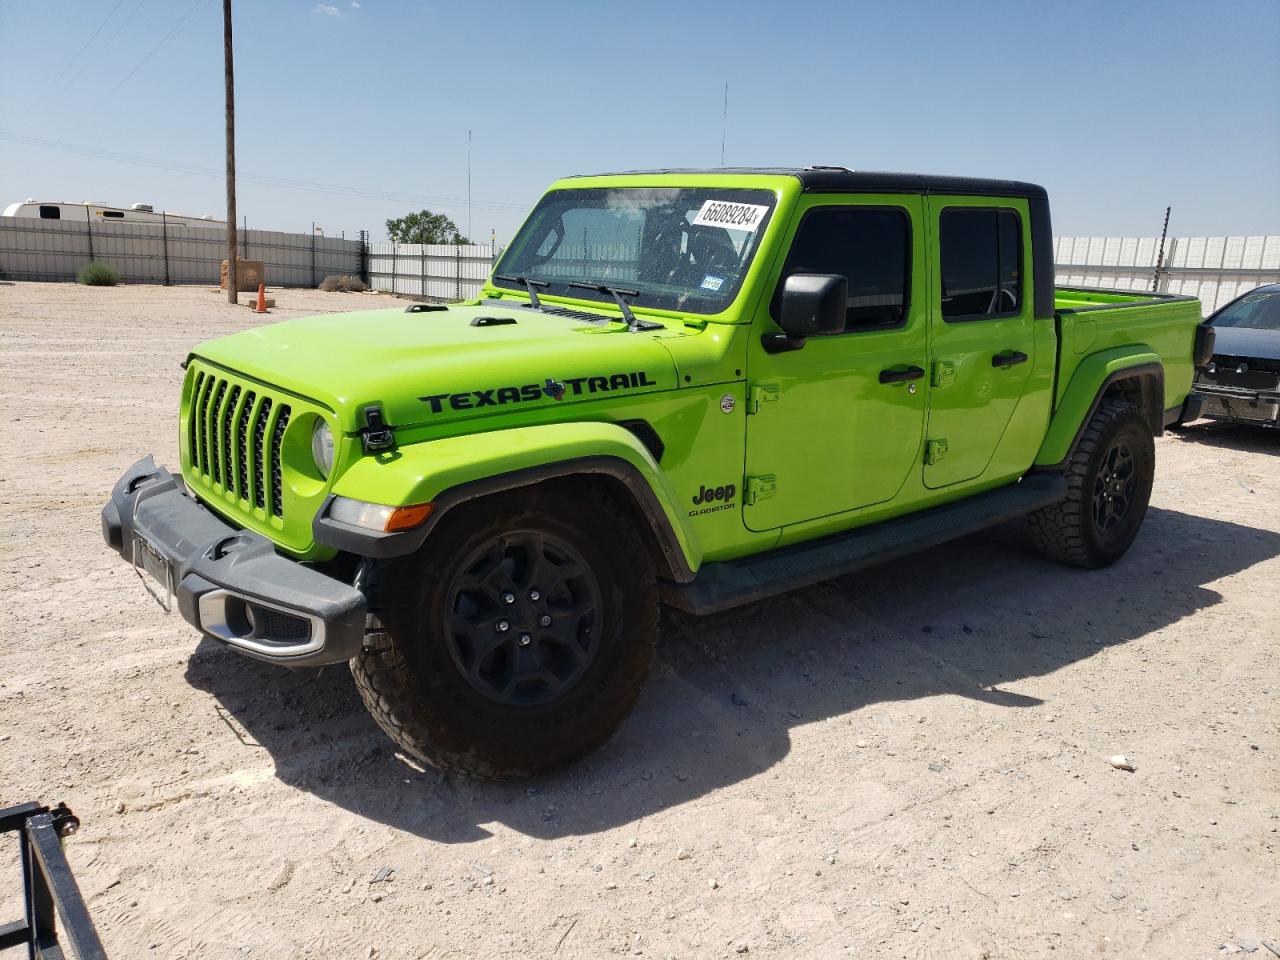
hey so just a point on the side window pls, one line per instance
(113, 214)
(981, 263)
(871, 246)
(49, 211)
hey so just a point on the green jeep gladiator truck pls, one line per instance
(701, 388)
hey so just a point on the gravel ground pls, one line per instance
(909, 762)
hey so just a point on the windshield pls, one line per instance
(1260, 310)
(671, 249)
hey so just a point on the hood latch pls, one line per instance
(376, 437)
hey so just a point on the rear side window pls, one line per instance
(49, 211)
(871, 246)
(981, 263)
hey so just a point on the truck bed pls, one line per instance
(1093, 321)
(1089, 298)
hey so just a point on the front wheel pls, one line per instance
(1109, 479)
(518, 639)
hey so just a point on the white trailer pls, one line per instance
(96, 213)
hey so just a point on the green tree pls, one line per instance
(424, 227)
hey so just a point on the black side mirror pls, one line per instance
(813, 304)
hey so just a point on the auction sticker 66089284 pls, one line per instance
(731, 216)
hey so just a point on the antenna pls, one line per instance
(1155, 279)
(724, 121)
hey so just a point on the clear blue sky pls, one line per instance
(1117, 107)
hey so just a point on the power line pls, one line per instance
(105, 44)
(307, 186)
(156, 49)
(92, 37)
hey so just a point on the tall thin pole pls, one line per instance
(724, 121)
(233, 283)
(1155, 279)
(468, 184)
(164, 234)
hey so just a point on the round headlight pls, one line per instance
(322, 447)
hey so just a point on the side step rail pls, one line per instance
(720, 586)
(49, 889)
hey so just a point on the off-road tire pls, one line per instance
(417, 689)
(1069, 531)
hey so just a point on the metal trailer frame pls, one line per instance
(49, 889)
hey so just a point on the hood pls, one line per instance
(439, 365)
(1246, 342)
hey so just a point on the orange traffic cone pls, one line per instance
(262, 299)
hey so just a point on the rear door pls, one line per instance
(982, 330)
(838, 423)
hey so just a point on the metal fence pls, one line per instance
(437, 271)
(167, 253)
(1214, 269)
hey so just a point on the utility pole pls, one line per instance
(233, 283)
(468, 185)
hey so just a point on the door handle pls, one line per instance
(1010, 358)
(901, 376)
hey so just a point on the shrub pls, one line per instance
(95, 274)
(342, 284)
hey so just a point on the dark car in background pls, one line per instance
(1242, 381)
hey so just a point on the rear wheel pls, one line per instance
(1109, 481)
(518, 640)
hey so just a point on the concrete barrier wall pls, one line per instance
(167, 253)
(1214, 269)
(434, 271)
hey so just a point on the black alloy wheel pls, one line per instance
(522, 618)
(1115, 487)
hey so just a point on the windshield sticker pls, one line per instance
(731, 216)
(712, 283)
(1251, 298)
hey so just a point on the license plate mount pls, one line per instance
(155, 572)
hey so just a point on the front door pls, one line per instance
(838, 423)
(983, 331)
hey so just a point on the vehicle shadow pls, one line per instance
(970, 618)
(1235, 436)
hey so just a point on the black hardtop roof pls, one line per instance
(820, 179)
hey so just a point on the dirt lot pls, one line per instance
(910, 762)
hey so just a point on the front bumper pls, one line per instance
(231, 584)
(1239, 404)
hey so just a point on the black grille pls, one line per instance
(202, 414)
(225, 416)
(277, 486)
(242, 446)
(236, 436)
(576, 314)
(193, 422)
(259, 450)
(277, 625)
(212, 452)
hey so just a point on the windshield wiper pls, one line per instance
(617, 293)
(529, 284)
